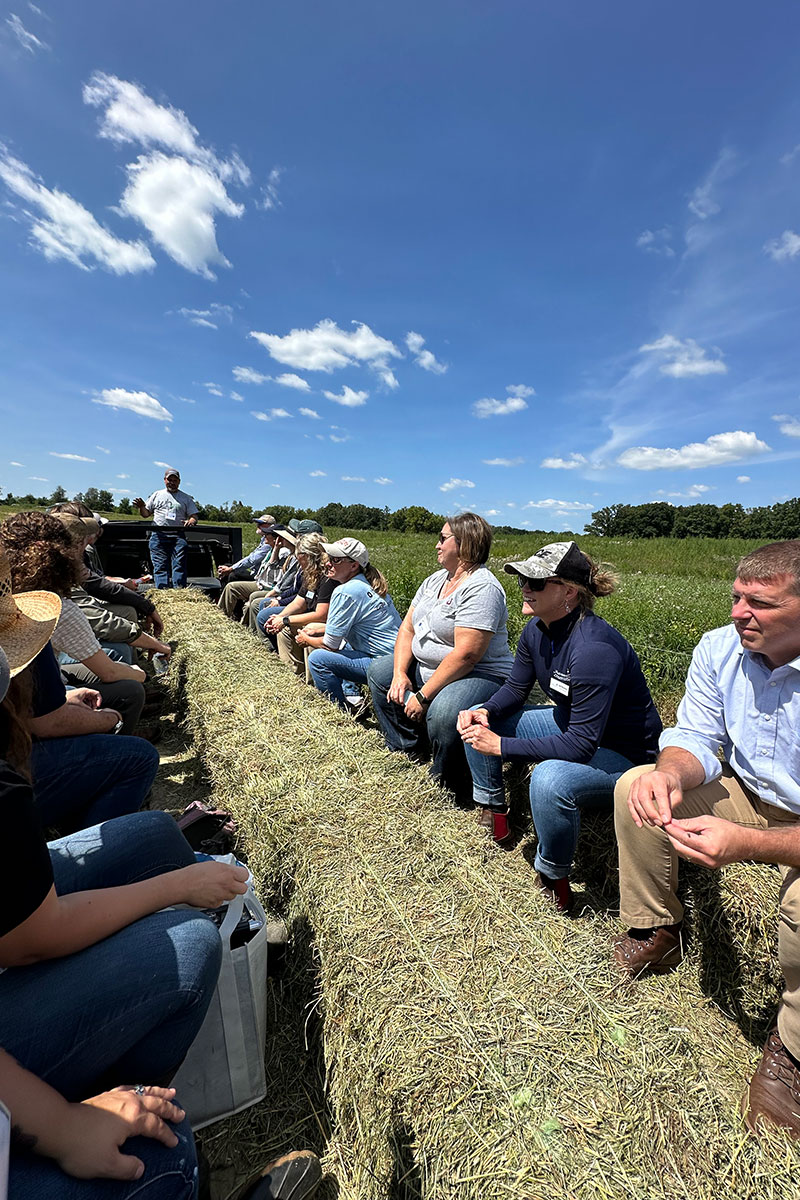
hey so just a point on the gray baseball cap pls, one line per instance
(563, 559)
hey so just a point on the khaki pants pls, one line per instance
(648, 873)
(291, 653)
(250, 610)
(235, 595)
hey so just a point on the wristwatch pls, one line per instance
(287, 624)
(421, 698)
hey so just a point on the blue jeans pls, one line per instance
(437, 734)
(124, 1010)
(168, 555)
(80, 781)
(331, 670)
(266, 610)
(559, 790)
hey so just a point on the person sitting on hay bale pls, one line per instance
(362, 622)
(247, 567)
(742, 697)
(311, 604)
(602, 721)
(90, 1039)
(119, 596)
(451, 653)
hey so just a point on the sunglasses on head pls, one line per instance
(533, 585)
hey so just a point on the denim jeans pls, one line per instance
(168, 554)
(332, 669)
(124, 1010)
(80, 781)
(559, 790)
(267, 610)
(437, 734)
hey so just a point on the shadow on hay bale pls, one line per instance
(476, 1045)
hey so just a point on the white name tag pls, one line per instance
(559, 685)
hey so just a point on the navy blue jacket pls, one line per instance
(594, 678)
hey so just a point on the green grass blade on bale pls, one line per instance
(477, 1045)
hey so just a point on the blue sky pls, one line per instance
(527, 259)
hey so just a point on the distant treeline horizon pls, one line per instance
(658, 519)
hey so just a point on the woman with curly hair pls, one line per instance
(310, 605)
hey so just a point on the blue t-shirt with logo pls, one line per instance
(359, 616)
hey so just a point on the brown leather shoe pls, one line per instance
(660, 951)
(495, 822)
(775, 1089)
(557, 890)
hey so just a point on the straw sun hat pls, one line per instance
(27, 620)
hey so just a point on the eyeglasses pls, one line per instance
(533, 585)
(333, 559)
(444, 537)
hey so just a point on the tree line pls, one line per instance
(769, 522)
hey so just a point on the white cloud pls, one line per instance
(788, 425)
(503, 462)
(715, 451)
(237, 396)
(123, 476)
(348, 397)
(64, 229)
(213, 389)
(564, 464)
(131, 116)
(156, 463)
(382, 480)
(39, 478)
(248, 375)
(327, 348)
(29, 41)
(121, 491)
(489, 407)
(209, 317)
(186, 400)
(72, 457)
(293, 381)
(695, 492)
(656, 241)
(684, 359)
(424, 358)
(518, 394)
(177, 201)
(559, 505)
(269, 196)
(103, 449)
(785, 247)
(236, 464)
(339, 437)
(492, 512)
(742, 478)
(272, 415)
(276, 485)
(702, 201)
(456, 483)
(318, 474)
(141, 403)
(353, 479)
(16, 464)
(310, 412)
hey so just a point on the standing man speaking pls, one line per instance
(173, 512)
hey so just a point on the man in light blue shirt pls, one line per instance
(173, 512)
(247, 567)
(743, 699)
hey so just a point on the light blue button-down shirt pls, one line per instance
(734, 701)
(252, 561)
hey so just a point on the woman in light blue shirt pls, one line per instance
(362, 621)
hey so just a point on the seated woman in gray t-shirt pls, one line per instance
(451, 652)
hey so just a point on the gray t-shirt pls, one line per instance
(171, 508)
(478, 603)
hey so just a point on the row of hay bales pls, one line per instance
(477, 1044)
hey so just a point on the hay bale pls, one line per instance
(477, 1045)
